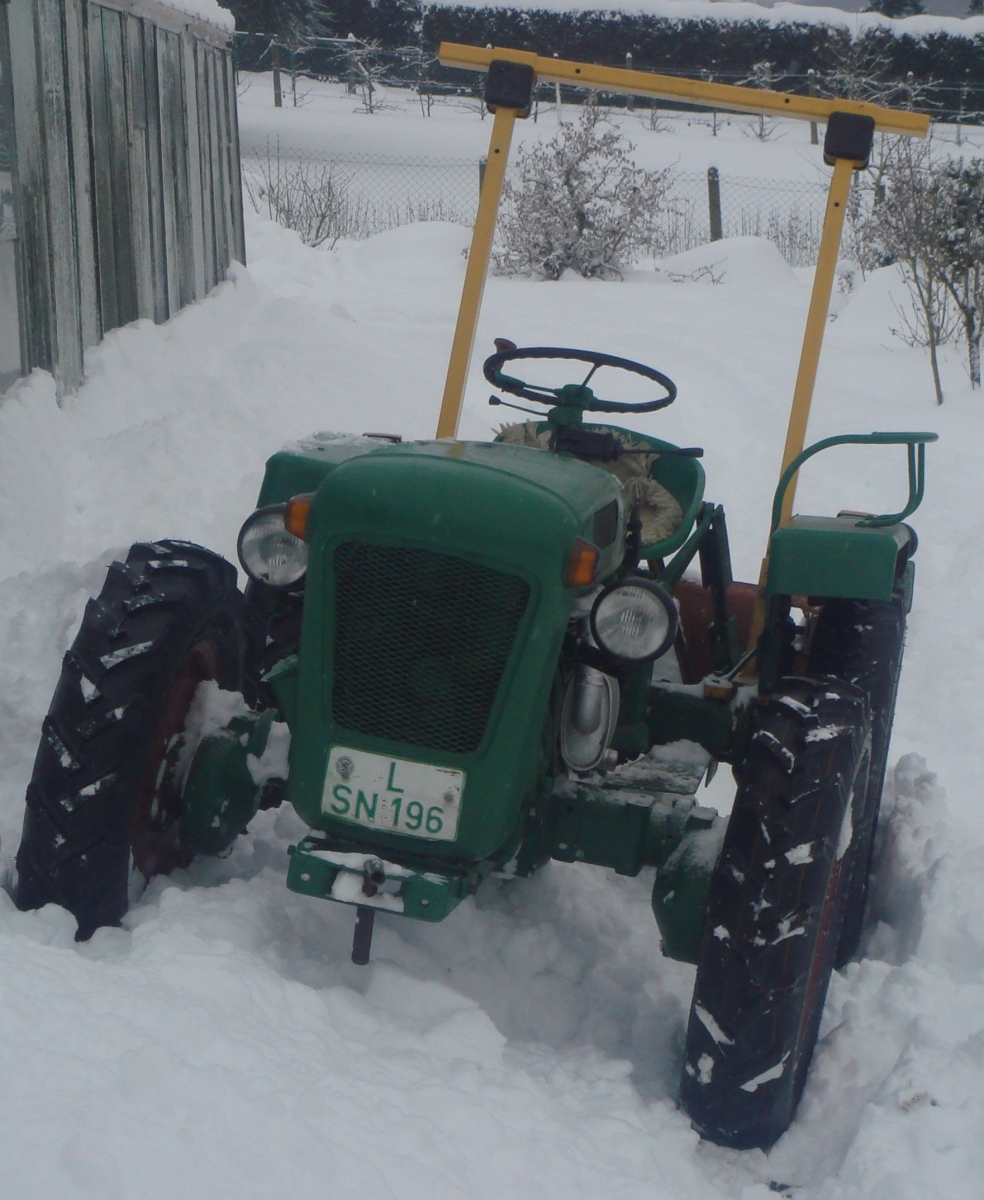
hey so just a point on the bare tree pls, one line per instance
(761, 77)
(581, 204)
(302, 196)
(960, 250)
(861, 70)
(905, 228)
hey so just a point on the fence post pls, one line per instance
(278, 97)
(482, 162)
(629, 100)
(811, 87)
(714, 203)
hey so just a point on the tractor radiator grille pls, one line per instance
(421, 642)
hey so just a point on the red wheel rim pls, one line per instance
(156, 822)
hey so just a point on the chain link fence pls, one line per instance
(327, 196)
(787, 212)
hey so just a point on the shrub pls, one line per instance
(580, 204)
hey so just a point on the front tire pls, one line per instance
(775, 913)
(104, 786)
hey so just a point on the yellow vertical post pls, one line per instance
(475, 273)
(816, 322)
(806, 376)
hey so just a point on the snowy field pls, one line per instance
(220, 1044)
(327, 120)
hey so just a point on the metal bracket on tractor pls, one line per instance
(488, 655)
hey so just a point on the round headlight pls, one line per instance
(268, 552)
(634, 620)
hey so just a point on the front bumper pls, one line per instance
(320, 867)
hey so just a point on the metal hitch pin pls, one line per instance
(373, 878)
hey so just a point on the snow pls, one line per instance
(209, 11)
(212, 709)
(799, 855)
(328, 122)
(273, 762)
(712, 1027)
(773, 1072)
(220, 1043)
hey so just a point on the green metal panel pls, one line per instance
(834, 556)
(627, 829)
(507, 509)
(220, 796)
(676, 714)
(303, 467)
(681, 891)
(606, 828)
(423, 890)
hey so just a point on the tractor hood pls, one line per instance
(435, 609)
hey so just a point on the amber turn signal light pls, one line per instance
(296, 515)
(582, 564)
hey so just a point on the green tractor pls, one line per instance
(485, 655)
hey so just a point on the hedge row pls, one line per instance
(729, 50)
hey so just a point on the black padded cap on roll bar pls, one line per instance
(848, 135)
(509, 85)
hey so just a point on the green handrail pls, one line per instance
(915, 444)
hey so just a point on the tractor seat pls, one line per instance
(659, 510)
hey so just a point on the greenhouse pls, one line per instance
(119, 172)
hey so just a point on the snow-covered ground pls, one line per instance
(220, 1044)
(327, 122)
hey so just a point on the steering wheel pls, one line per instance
(578, 395)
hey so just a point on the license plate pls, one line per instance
(393, 795)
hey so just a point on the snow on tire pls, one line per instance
(103, 786)
(862, 641)
(774, 915)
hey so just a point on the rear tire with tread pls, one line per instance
(774, 914)
(168, 618)
(861, 641)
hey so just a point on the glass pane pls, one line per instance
(10, 352)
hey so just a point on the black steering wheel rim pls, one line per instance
(543, 395)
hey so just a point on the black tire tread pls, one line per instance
(862, 642)
(91, 758)
(753, 969)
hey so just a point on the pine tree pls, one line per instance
(289, 21)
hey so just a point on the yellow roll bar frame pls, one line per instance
(689, 91)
